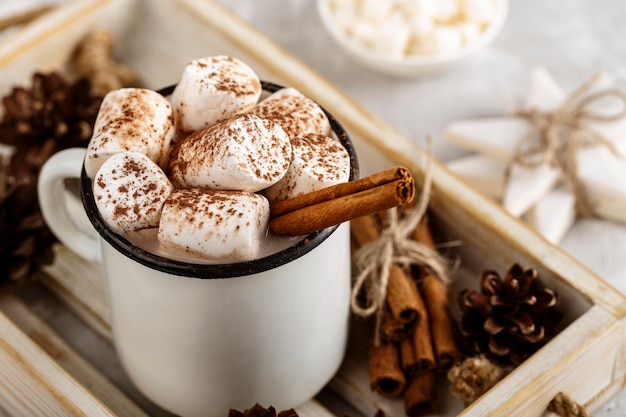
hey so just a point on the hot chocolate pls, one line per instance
(208, 200)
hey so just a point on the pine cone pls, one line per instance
(25, 240)
(509, 319)
(50, 116)
(259, 411)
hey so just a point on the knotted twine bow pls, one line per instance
(556, 137)
(394, 246)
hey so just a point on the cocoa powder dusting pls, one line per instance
(294, 112)
(227, 77)
(120, 210)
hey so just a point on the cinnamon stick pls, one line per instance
(420, 397)
(363, 230)
(422, 340)
(405, 304)
(423, 234)
(336, 204)
(436, 298)
(394, 329)
(401, 299)
(408, 360)
(386, 376)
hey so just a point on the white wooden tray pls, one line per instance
(41, 374)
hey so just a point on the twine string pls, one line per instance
(556, 137)
(564, 406)
(394, 246)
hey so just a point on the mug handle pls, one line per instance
(62, 210)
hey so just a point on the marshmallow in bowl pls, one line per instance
(212, 89)
(131, 119)
(214, 224)
(406, 28)
(130, 190)
(318, 161)
(244, 153)
(296, 113)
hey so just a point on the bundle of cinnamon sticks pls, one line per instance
(416, 338)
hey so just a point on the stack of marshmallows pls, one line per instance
(199, 168)
(401, 28)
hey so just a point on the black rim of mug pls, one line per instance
(211, 271)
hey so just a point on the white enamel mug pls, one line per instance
(201, 339)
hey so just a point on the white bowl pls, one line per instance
(415, 64)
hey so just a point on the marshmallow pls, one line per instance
(376, 10)
(129, 190)
(213, 89)
(447, 10)
(422, 43)
(318, 161)
(215, 225)
(447, 39)
(479, 11)
(393, 38)
(442, 39)
(294, 112)
(131, 119)
(364, 32)
(469, 31)
(420, 24)
(429, 9)
(242, 153)
(344, 13)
